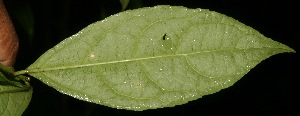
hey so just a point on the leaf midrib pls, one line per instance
(36, 70)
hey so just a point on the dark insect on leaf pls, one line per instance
(164, 36)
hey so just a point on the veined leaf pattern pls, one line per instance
(154, 57)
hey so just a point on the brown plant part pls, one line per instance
(9, 42)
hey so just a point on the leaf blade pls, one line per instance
(14, 95)
(14, 101)
(125, 62)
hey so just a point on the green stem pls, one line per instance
(20, 72)
(13, 78)
(6, 69)
(23, 89)
(24, 79)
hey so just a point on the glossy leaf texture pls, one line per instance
(13, 99)
(154, 57)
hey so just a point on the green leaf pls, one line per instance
(154, 57)
(2, 77)
(7, 77)
(13, 100)
(14, 96)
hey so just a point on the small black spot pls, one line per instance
(164, 36)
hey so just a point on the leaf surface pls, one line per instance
(154, 57)
(13, 100)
